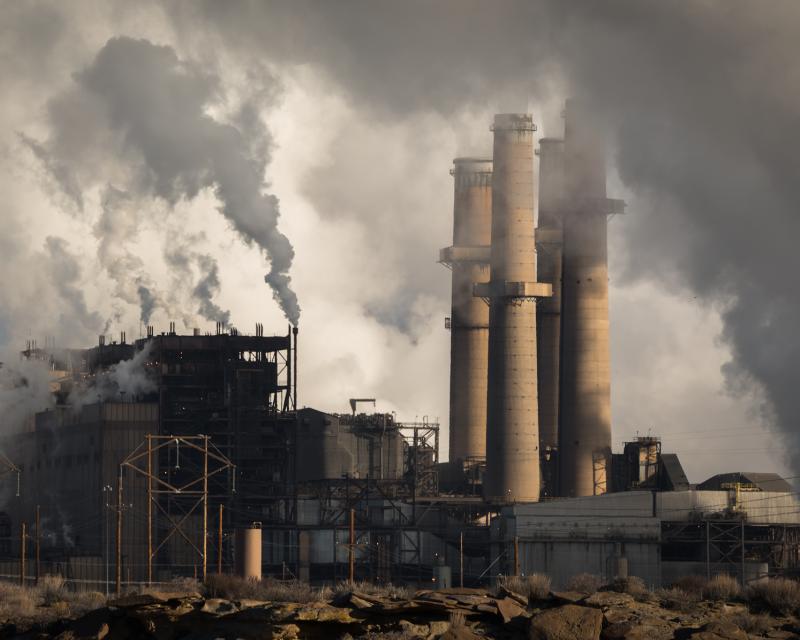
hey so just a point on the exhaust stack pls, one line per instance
(512, 436)
(548, 311)
(469, 321)
(585, 429)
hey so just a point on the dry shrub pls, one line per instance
(755, 624)
(458, 619)
(52, 589)
(585, 583)
(677, 599)
(235, 588)
(778, 594)
(534, 587)
(632, 585)
(722, 587)
(692, 584)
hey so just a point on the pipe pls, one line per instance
(294, 331)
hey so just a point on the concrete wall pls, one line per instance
(563, 559)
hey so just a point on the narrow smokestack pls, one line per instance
(548, 311)
(512, 434)
(469, 320)
(585, 429)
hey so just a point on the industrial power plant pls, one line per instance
(183, 455)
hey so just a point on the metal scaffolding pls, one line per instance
(184, 491)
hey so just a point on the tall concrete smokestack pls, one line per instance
(512, 433)
(469, 321)
(548, 311)
(585, 429)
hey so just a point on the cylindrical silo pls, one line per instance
(248, 552)
(512, 434)
(469, 322)
(585, 424)
(548, 310)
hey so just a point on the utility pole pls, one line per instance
(22, 554)
(516, 555)
(219, 541)
(149, 510)
(461, 558)
(119, 534)
(38, 545)
(107, 489)
(205, 507)
(352, 547)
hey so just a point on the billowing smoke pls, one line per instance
(207, 288)
(24, 390)
(127, 380)
(144, 104)
(117, 226)
(65, 274)
(180, 257)
(699, 99)
(147, 303)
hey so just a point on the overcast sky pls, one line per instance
(158, 162)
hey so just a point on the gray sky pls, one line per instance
(169, 156)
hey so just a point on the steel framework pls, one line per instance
(191, 488)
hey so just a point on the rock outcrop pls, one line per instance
(451, 614)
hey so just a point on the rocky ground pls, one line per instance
(452, 614)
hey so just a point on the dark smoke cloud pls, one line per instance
(147, 303)
(180, 257)
(207, 288)
(153, 108)
(700, 103)
(65, 274)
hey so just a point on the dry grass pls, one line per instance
(585, 583)
(677, 599)
(778, 594)
(722, 587)
(390, 591)
(45, 603)
(235, 588)
(458, 619)
(754, 624)
(534, 587)
(17, 604)
(691, 584)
